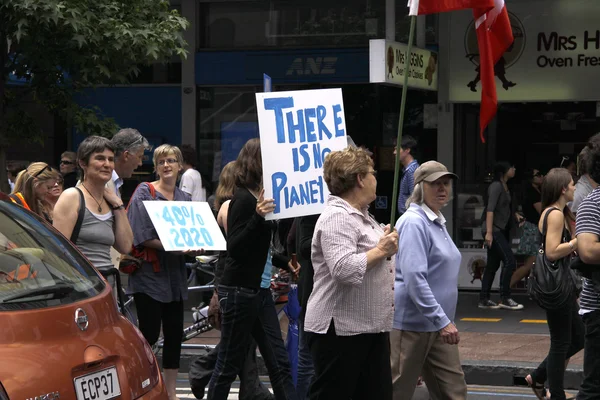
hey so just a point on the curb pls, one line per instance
(488, 373)
(510, 373)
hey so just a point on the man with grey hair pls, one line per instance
(129, 154)
(585, 185)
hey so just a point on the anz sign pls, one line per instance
(305, 66)
(283, 66)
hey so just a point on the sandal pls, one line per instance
(538, 389)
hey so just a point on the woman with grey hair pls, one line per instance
(104, 223)
(424, 337)
(349, 312)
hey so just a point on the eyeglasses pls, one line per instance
(66, 162)
(537, 174)
(169, 161)
(47, 167)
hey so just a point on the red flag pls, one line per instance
(494, 36)
(420, 7)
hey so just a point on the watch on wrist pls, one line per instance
(119, 207)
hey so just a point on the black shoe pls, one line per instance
(510, 304)
(488, 304)
(473, 86)
(508, 85)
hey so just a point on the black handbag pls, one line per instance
(552, 284)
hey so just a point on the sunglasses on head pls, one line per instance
(47, 167)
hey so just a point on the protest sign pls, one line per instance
(297, 130)
(185, 225)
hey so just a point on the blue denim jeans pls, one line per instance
(305, 365)
(250, 313)
(499, 252)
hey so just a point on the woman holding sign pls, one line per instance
(244, 295)
(351, 308)
(159, 287)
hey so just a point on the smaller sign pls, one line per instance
(185, 225)
(267, 83)
(389, 61)
(381, 203)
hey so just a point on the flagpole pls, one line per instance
(413, 20)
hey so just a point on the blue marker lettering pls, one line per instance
(294, 198)
(321, 114)
(317, 155)
(278, 105)
(304, 195)
(292, 127)
(278, 181)
(306, 157)
(295, 161)
(206, 235)
(309, 113)
(337, 120)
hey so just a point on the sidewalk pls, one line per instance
(498, 359)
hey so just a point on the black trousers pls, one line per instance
(350, 367)
(566, 339)
(499, 252)
(590, 388)
(151, 314)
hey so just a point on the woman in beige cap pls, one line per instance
(424, 337)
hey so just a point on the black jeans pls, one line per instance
(590, 388)
(499, 252)
(250, 313)
(251, 388)
(150, 315)
(566, 339)
(350, 367)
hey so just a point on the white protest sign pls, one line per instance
(185, 225)
(297, 130)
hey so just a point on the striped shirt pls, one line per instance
(588, 221)
(407, 184)
(358, 300)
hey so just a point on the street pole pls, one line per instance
(413, 20)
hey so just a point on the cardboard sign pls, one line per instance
(297, 130)
(185, 225)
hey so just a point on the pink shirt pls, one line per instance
(358, 301)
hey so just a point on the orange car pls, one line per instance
(61, 335)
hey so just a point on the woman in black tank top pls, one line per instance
(565, 324)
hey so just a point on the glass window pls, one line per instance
(292, 23)
(38, 267)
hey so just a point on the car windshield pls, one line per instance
(39, 267)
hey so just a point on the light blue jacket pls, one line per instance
(427, 266)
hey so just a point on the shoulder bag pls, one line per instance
(551, 283)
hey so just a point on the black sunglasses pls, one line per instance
(537, 174)
(47, 167)
(66, 162)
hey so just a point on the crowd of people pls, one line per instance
(378, 303)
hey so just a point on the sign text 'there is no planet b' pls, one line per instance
(297, 130)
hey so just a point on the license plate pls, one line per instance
(101, 385)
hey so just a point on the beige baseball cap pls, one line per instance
(432, 171)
